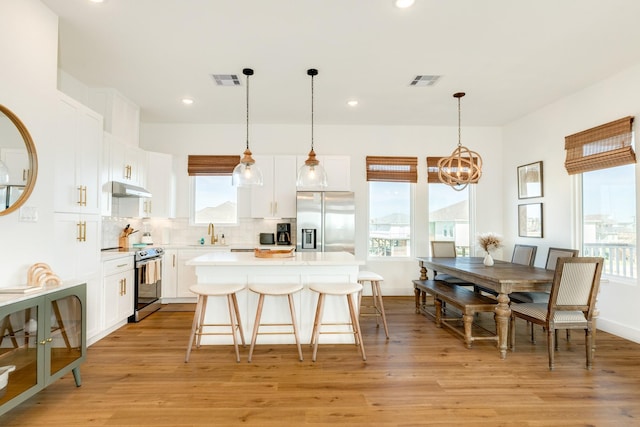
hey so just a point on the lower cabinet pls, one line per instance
(118, 287)
(169, 274)
(43, 337)
(186, 274)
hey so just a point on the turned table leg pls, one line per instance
(502, 315)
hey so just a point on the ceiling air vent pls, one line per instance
(226, 79)
(424, 80)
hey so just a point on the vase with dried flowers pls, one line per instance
(489, 242)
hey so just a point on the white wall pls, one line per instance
(358, 142)
(28, 42)
(540, 136)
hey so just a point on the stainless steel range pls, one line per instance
(148, 282)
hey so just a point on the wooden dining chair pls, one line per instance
(552, 260)
(543, 297)
(524, 254)
(571, 304)
(446, 249)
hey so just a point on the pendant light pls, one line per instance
(246, 173)
(312, 174)
(463, 166)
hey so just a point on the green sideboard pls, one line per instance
(44, 337)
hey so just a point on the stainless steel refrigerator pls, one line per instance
(325, 221)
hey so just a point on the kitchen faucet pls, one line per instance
(214, 238)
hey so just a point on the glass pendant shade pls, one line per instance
(246, 173)
(4, 173)
(311, 174)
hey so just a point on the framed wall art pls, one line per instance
(530, 180)
(530, 220)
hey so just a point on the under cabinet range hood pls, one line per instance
(120, 189)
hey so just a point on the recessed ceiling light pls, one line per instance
(352, 102)
(96, 1)
(403, 4)
(187, 101)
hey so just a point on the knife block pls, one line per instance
(123, 242)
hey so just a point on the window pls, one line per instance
(609, 219)
(605, 157)
(391, 182)
(390, 219)
(214, 198)
(449, 216)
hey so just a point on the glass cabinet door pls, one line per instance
(64, 332)
(18, 349)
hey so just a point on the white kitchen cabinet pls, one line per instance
(78, 157)
(338, 170)
(106, 202)
(169, 275)
(76, 257)
(118, 287)
(186, 273)
(161, 185)
(17, 160)
(277, 197)
(127, 162)
(121, 115)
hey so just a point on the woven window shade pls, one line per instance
(432, 170)
(392, 169)
(212, 165)
(601, 147)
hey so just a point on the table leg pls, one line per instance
(423, 271)
(502, 315)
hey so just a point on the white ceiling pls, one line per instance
(511, 57)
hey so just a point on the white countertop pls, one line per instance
(217, 258)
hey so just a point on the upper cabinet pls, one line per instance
(277, 197)
(77, 158)
(121, 115)
(127, 162)
(338, 170)
(160, 183)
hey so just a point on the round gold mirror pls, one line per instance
(18, 162)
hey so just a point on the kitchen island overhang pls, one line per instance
(244, 268)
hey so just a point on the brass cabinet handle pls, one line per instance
(43, 342)
(79, 234)
(84, 231)
(25, 174)
(174, 260)
(82, 195)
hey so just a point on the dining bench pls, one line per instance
(468, 302)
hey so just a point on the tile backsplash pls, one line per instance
(178, 231)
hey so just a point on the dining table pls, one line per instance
(502, 277)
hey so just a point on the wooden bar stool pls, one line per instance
(376, 294)
(347, 289)
(204, 291)
(275, 290)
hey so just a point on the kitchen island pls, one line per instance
(304, 267)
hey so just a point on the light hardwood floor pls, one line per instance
(421, 376)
